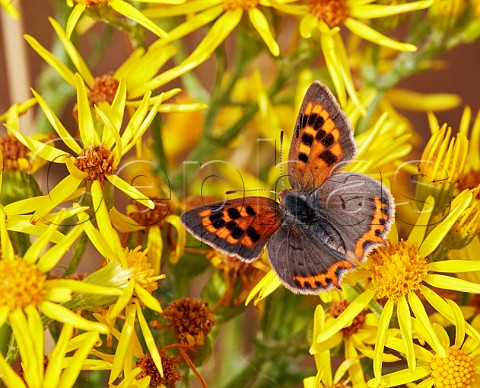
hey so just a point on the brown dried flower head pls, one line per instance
(170, 375)
(191, 320)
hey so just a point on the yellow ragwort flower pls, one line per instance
(122, 7)
(329, 16)
(60, 368)
(396, 273)
(26, 293)
(139, 368)
(102, 89)
(348, 372)
(357, 339)
(143, 221)
(454, 365)
(96, 156)
(142, 281)
(228, 14)
(16, 156)
(441, 167)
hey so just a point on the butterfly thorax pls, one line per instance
(296, 207)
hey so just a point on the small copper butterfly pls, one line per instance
(324, 225)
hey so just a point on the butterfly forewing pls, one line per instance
(240, 227)
(322, 138)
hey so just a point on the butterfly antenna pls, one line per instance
(281, 158)
(245, 191)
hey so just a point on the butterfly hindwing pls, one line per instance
(322, 138)
(303, 265)
(360, 209)
(239, 227)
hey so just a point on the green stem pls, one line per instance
(78, 252)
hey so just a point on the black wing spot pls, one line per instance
(318, 123)
(233, 213)
(217, 224)
(303, 157)
(378, 232)
(252, 234)
(328, 157)
(307, 285)
(328, 140)
(230, 225)
(320, 135)
(382, 221)
(307, 139)
(312, 118)
(237, 233)
(215, 216)
(250, 211)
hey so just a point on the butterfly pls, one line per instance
(324, 225)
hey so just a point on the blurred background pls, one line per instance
(20, 66)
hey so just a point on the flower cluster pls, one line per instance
(99, 281)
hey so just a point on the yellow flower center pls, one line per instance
(141, 267)
(15, 154)
(103, 89)
(397, 270)
(455, 370)
(332, 12)
(21, 284)
(232, 5)
(97, 162)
